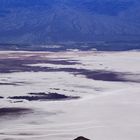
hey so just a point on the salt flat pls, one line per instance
(108, 84)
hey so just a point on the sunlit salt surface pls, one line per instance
(107, 85)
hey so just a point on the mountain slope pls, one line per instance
(43, 21)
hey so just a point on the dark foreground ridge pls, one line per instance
(81, 138)
(44, 97)
(14, 111)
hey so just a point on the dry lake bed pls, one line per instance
(63, 95)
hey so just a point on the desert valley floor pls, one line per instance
(63, 95)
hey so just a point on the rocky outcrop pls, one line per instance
(81, 138)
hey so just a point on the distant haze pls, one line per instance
(43, 21)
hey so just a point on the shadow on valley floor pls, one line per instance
(24, 65)
(13, 83)
(11, 65)
(14, 111)
(44, 97)
(1, 97)
(101, 75)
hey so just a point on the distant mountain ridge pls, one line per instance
(48, 21)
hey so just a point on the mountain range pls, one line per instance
(57, 21)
